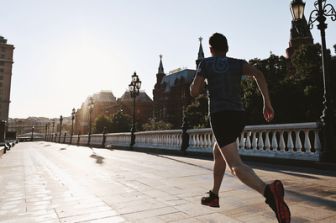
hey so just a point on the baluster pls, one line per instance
(282, 142)
(274, 141)
(209, 143)
(213, 138)
(298, 144)
(192, 139)
(197, 140)
(267, 141)
(201, 136)
(260, 141)
(290, 144)
(317, 143)
(242, 141)
(248, 140)
(254, 140)
(307, 144)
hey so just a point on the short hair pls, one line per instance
(218, 42)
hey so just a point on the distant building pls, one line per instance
(25, 125)
(171, 93)
(6, 62)
(104, 103)
(143, 106)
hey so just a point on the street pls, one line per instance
(49, 182)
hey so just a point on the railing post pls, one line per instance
(78, 138)
(185, 136)
(64, 137)
(104, 137)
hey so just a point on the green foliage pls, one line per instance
(101, 122)
(295, 87)
(121, 122)
(156, 125)
(196, 114)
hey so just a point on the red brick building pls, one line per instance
(171, 92)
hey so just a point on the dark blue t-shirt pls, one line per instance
(223, 75)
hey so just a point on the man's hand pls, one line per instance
(268, 112)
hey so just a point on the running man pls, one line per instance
(227, 117)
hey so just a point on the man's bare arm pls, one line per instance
(259, 77)
(197, 86)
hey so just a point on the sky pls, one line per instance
(66, 50)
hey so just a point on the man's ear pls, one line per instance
(212, 51)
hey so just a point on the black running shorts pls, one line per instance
(227, 126)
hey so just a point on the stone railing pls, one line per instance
(289, 141)
(166, 139)
(118, 139)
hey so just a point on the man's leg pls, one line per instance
(218, 169)
(242, 171)
(274, 192)
(212, 199)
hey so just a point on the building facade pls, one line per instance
(104, 103)
(6, 62)
(143, 106)
(171, 94)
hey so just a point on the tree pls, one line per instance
(101, 122)
(295, 86)
(153, 124)
(121, 122)
(197, 113)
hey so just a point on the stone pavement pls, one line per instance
(48, 182)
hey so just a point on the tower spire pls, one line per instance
(161, 71)
(200, 52)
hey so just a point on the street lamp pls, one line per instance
(297, 9)
(319, 14)
(134, 89)
(73, 113)
(91, 106)
(60, 131)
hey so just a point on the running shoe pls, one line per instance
(274, 194)
(211, 199)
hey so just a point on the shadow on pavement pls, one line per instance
(99, 159)
(320, 201)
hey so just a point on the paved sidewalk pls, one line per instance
(48, 182)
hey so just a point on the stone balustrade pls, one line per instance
(165, 139)
(289, 141)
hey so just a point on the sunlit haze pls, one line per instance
(66, 50)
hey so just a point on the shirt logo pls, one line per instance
(220, 65)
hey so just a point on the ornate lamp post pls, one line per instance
(73, 113)
(320, 13)
(60, 130)
(134, 89)
(91, 106)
